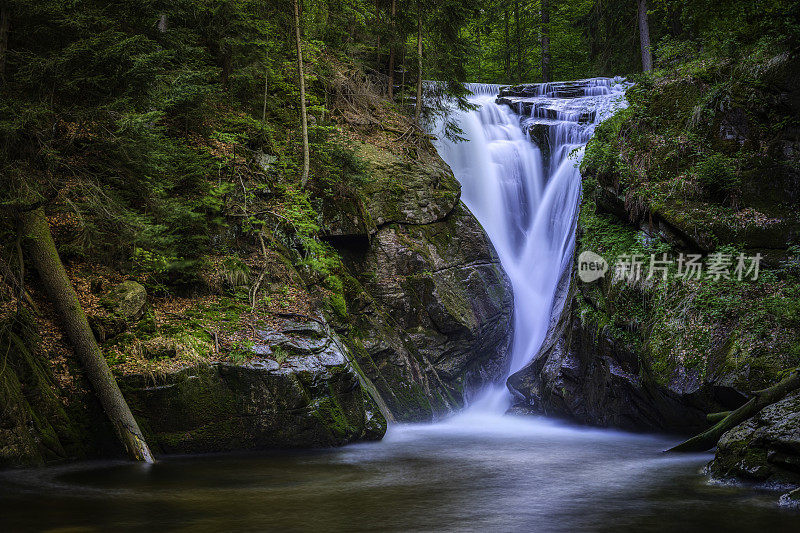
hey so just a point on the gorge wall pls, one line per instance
(704, 161)
(425, 319)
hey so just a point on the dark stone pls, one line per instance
(588, 376)
(430, 304)
(106, 327)
(127, 300)
(765, 448)
(311, 396)
(346, 223)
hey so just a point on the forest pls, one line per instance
(247, 226)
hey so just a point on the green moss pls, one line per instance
(36, 427)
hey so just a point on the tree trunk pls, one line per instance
(377, 23)
(266, 86)
(518, 39)
(479, 46)
(5, 24)
(162, 24)
(418, 105)
(42, 253)
(303, 115)
(545, 16)
(392, 40)
(403, 76)
(644, 36)
(507, 49)
(713, 418)
(708, 439)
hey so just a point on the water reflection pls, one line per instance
(466, 474)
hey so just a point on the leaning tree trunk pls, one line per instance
(644, 36)
(545, 16)
(41, 251)
(708, 439)
(303, 114)
(418, 104)
(392, 41)
(5, 25)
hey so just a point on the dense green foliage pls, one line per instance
(150, 129)
(702, 162)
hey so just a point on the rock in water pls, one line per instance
(765, 448)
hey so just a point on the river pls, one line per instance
(467, 474)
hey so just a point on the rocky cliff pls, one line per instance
(704, 161)
(395, 308)
(431, 306)
(682, 172)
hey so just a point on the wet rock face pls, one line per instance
(765, 448)
(442, 290)
(301, 391)
(432, 307)
(585, 375)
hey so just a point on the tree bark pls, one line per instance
(5, 25)
(303, 115)
(708, 439)
(518, 39)
(41, 251)
(545, 19)
(507, 48)
(392, 40)
(266, 86)
(162, 24)
(418, 104)
(644, 36)
(713, 418)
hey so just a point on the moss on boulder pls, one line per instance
(299, 391)
(765, 448)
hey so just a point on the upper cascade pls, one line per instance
(563, 89)
(484, 89)
(557, 116)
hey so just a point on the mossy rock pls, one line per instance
(765, 448)
(405, 191)
(127, 300)
(311, 396)
(437, 319)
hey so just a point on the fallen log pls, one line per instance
(713, 418)
(761, 399)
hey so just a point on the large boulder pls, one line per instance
(122, 305)
(765, 448)
(430, 304)
(300, 390)
(585, 374)
(128, 300)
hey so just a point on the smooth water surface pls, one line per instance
(467, 474)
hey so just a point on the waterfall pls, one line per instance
(518, 168)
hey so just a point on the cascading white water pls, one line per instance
(527, 205)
